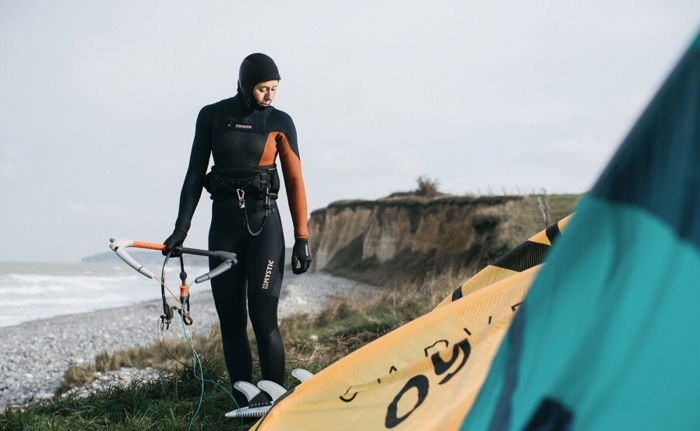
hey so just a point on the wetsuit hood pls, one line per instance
(255, 68)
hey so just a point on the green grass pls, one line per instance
(164, 404)
(169, 356)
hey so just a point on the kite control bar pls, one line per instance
(228, 259)
(119, 246)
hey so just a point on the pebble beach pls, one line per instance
(35, 354)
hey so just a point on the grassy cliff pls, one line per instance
(406, 238)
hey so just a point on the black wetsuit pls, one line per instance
(240, 136)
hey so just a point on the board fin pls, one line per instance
(258, 401)
(246, 388)
(273, 389)
(301, 374)
(263, 396)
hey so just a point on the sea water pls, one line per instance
(30, 291)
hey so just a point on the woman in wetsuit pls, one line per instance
(245, 134)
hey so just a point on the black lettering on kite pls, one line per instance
(490, 317)
(441, 367)
(427, 349)
(421, 383)
(515, 306)
(467, 331)
(391, 370)
(348, 399)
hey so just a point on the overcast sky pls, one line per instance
(99, 100)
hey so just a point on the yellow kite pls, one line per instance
(426, 374)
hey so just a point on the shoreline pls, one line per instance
(37, 353)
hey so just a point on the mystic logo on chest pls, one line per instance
(232, 124)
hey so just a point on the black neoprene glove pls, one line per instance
(174, 240)
(301, 256)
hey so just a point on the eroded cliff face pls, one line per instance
(372, 240)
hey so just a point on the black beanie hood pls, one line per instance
(255, 68)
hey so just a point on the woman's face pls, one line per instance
(264, 92)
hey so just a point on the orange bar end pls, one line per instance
(148, 245)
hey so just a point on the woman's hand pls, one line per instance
(174, 240)
(301, 256)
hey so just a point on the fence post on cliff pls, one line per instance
(543, 205)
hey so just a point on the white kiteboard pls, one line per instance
(263, 396)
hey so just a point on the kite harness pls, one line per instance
(259, 182)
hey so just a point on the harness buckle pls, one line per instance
(185, 316)
(241, 197)
(166, 317)
(266, 204)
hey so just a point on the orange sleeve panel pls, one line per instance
(270, 152)
(293, 181)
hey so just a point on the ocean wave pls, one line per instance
(32, 290)
(64, 301)
(40, 284)
(43, 278)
